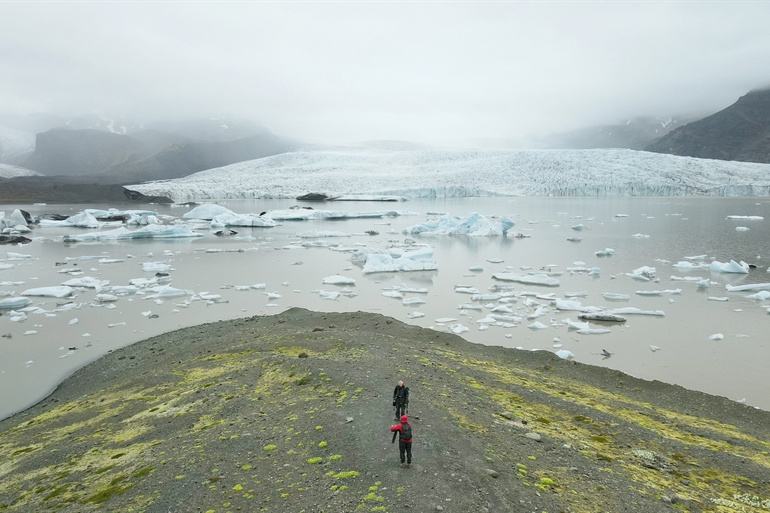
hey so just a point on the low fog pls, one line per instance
(435, 73)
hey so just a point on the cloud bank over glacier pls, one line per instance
(463, 173)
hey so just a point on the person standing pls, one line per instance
(401, 399)
(404, 430)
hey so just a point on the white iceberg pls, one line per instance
(14, 302)
(166, 291)
(686, 266)
(410, 261)
(232, 219)
(528, 279)
(81, 220)
(458, 328)
(87, 282)
(338, 280)
(749, 287)
(752, 218)
(475, 225)
(630, 310)
(614, 296)
(564, 354)
(593, 331)
(325, 294)
(152, 231)
(156, 267)
(62, 291)
(730, 267)
(207, 212)
(762, 295)
(413, 301)
(537, 326)
(717, 336)
(466, 290)
(312, 234)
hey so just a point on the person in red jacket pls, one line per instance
(404, 431)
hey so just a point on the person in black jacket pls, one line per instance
(400, 399)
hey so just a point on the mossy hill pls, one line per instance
(739, 132)
(290, 413)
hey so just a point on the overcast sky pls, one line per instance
(422, 71)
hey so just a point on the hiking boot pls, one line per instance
(403, 465)
(408, 465)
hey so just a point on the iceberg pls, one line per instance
(312, 234)
(537, 326)
(614, 296)
(749, 287)
(630, 310)
(528, 279)
(730, 267)
(762, 295)
(413, 301)
(156, 267)
(601, 316)
(338, 280)
(409, 261)
(62, 291)
(574, 325)
(331, 296)
(152, 231)
(81, 220)
(232, 219)
(475, 225)
(86, 282)
(564, 354)
(11, 303)
(303, 214)
(752, 218)
(686, 266)
(207, 212)
(166, 291)
(593, 331)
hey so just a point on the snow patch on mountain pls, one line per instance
(9, 171)
(460, 173)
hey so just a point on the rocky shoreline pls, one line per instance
(291, 413)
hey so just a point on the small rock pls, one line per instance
(302, 355)
(533, 436)
(439, 508)
(566, 446)
(318, 329)
(491, 473)
(508, 415)
(665, 499)
(349, 419)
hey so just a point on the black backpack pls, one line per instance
(406, 431)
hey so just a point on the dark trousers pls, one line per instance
(405, 447)
(400, 409)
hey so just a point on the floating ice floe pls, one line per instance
(225, 219)
(703, 284)
(415, 315)
(573, 305)
(466, 290)
(761, 295)
(730, 267)
(654, 348)
(458, 328)
(605, 252)
(751, 218)
(207, 212)
(574, 325)
(380, 262)
(325, 294)
(649, 292)
(687, 266)
(156, 267)
(594, 331)
(537, 326)
(312, 234)
(152, 231)
(741, 228)
(81, 220)
(476, 269)
(716, 336)
(750, 287)
(106, 298)
(11, 303)
(62, 291)
(578, 227)
(713, 298)
(475, 225)
(528, 279)
(413, 301)
(338, 280)
(166, 291)
(686, 278)
(630, 310)
(564, 354)
(86, 282)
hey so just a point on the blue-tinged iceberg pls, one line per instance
(474, 225)
(151, 231)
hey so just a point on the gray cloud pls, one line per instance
(429, 72)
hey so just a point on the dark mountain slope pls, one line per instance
(183, 159)
(68, 152)
(739, 132)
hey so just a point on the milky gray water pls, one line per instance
(666, 229)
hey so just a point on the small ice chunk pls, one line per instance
(415, 315)
(476, 269)
(716, 336)
(458, 328)
(413, 301)
(74, 321)
(654, 348)
(30, 332)
(537, 326)
(712, 298)
(329, 295)
(564, 354)
(116, 324)
(741, 228)
(338, 280)
(445, 320)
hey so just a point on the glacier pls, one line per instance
(463, 173)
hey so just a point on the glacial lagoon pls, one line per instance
(223, 277)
